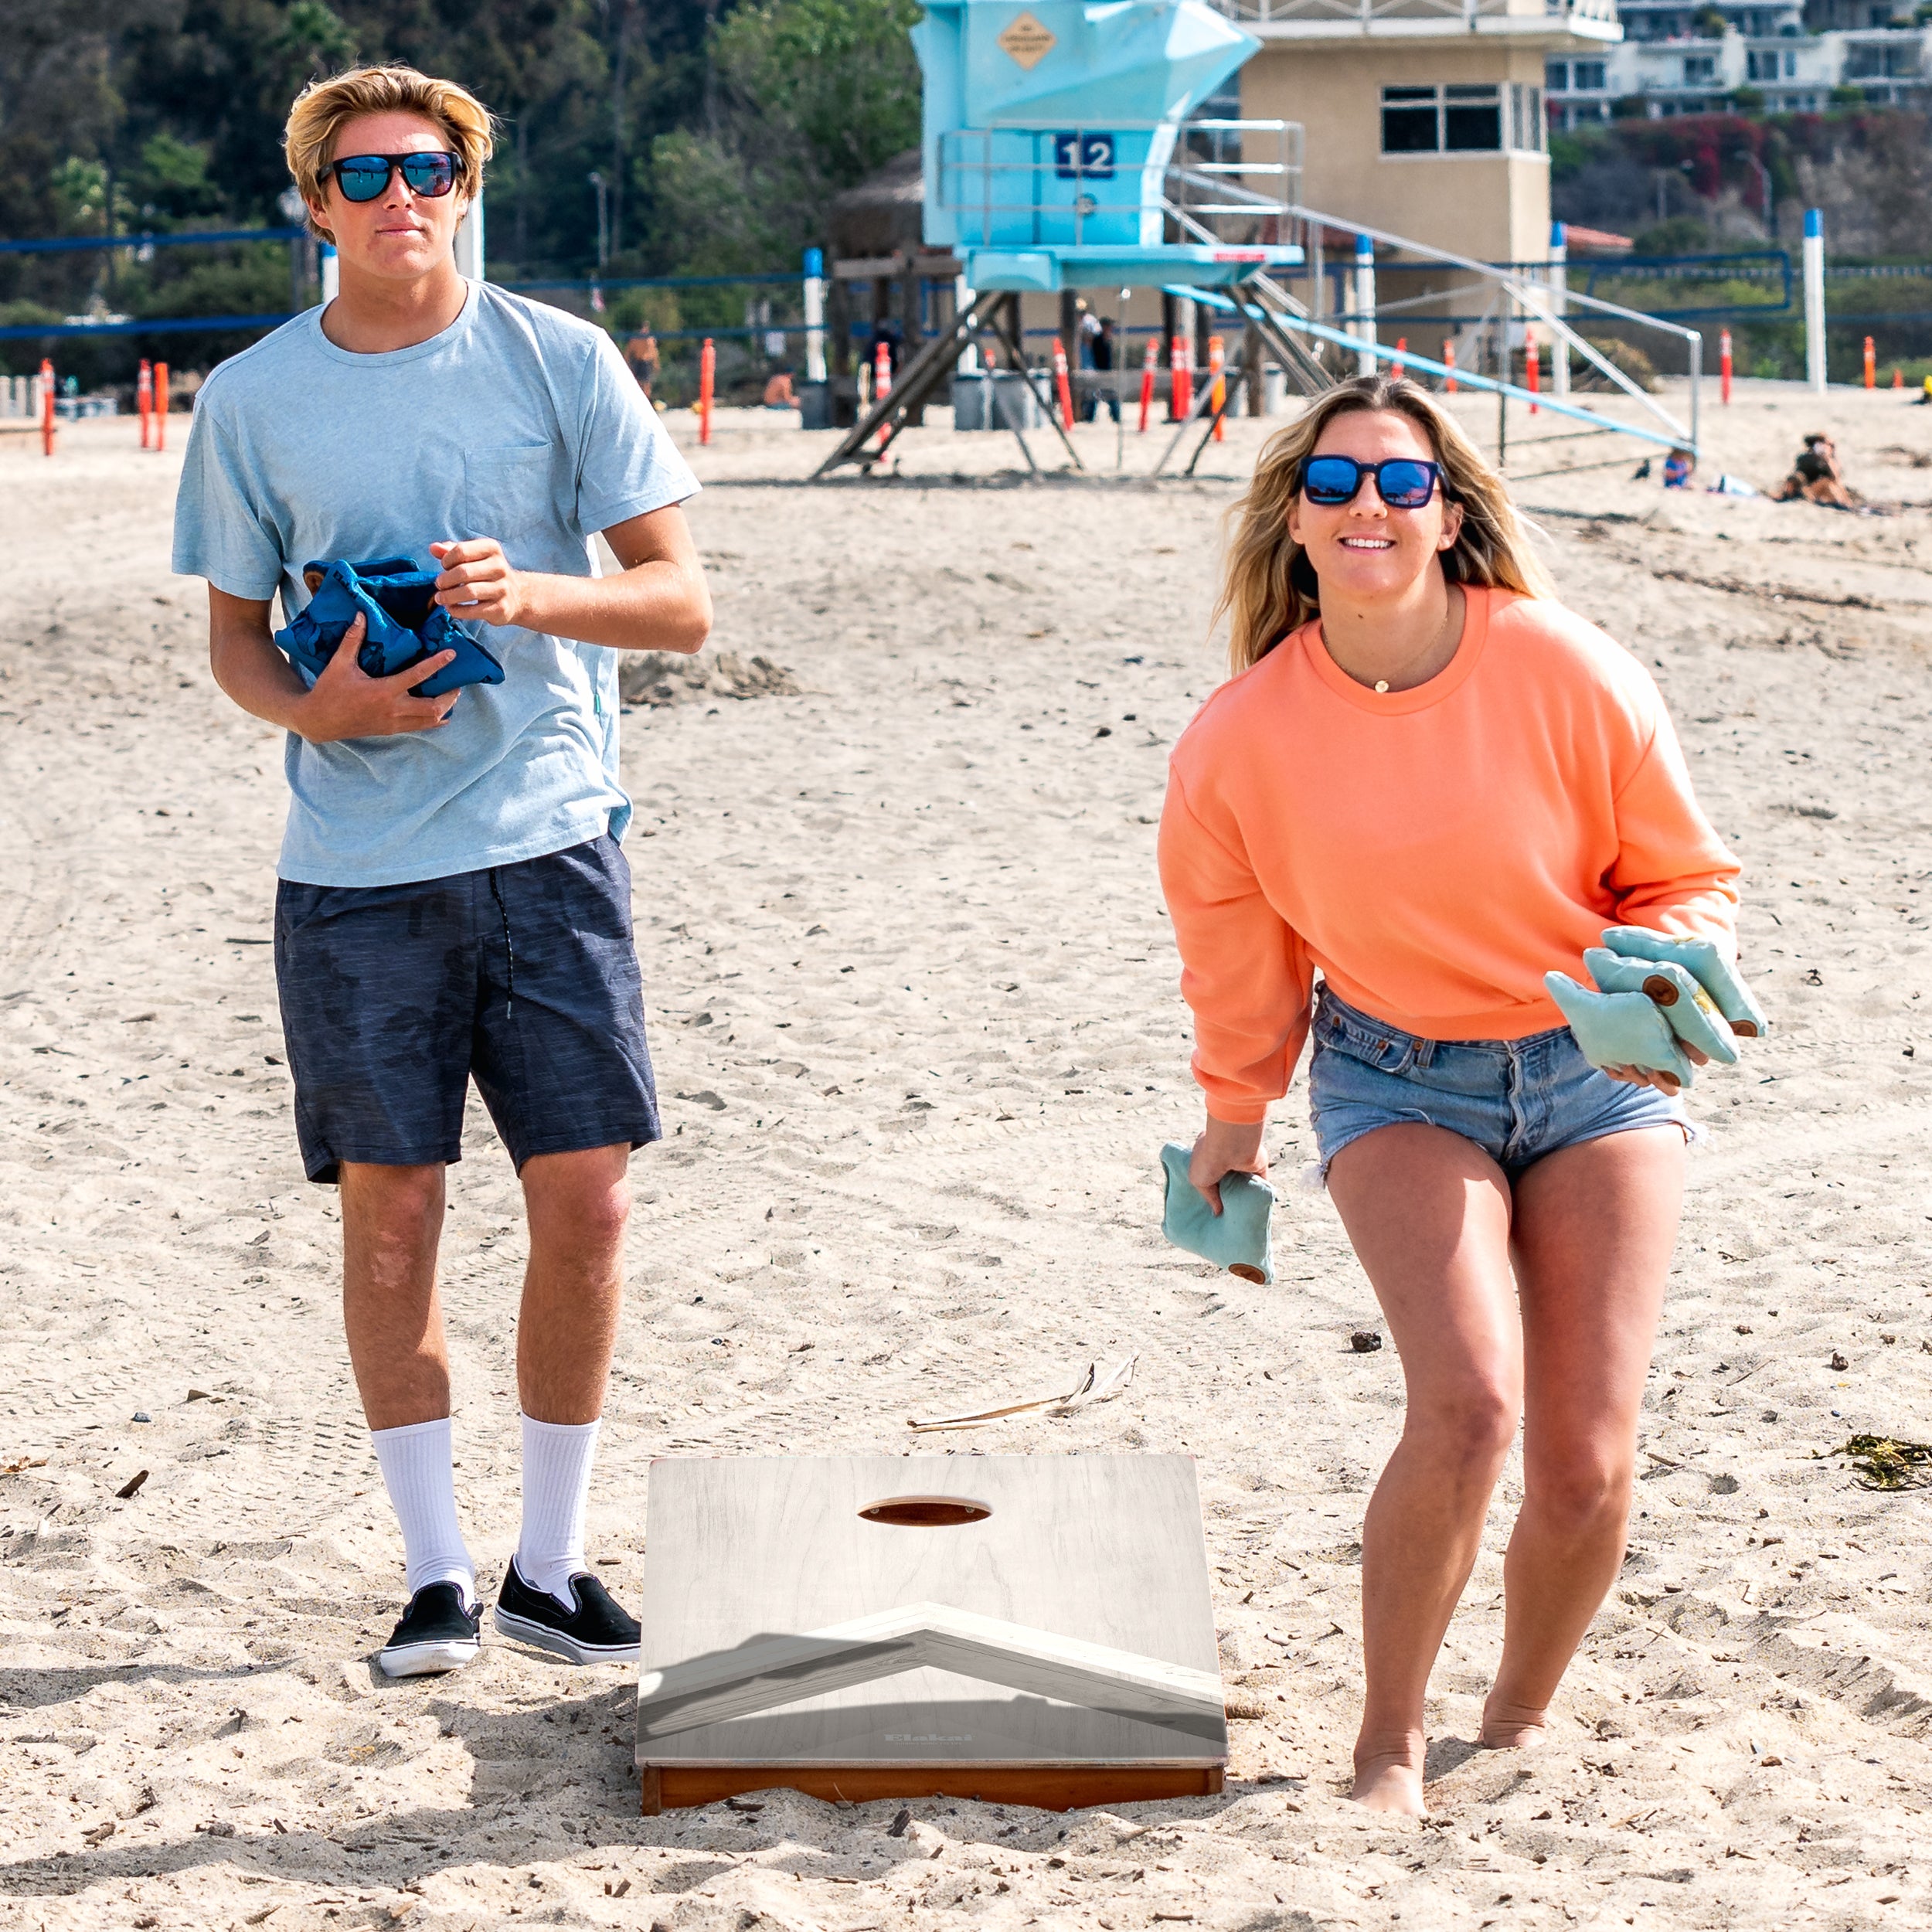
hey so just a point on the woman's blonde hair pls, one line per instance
(1268, 587)
(322, 107)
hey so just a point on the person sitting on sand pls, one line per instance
(1430, 782)
(453, 901)
(1816, 478)
(779, 394)
(1679, 466)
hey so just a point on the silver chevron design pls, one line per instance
(771, 1672)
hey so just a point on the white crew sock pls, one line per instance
(417, 1473)
(556, 1485)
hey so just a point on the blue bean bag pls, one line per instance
(406, 624)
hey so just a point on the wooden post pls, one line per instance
(1251, 372)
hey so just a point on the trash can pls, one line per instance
(1014, 404)
(969, 398)
(815, 406)
(1274, 388)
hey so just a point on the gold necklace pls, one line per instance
(1381, 684)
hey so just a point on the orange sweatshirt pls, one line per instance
(1434, 852)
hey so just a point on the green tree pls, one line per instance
(814, 96)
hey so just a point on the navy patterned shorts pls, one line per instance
(524, 977)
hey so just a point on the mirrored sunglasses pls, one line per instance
(364, 177)
(1404, 482)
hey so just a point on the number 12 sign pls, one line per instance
(1083, 156)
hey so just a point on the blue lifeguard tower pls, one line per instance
(1059, 153)
(1053, 149)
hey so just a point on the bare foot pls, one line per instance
(1383, 1785)
(1511, 1727)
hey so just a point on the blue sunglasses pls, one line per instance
(1404, 482)
(364, 177)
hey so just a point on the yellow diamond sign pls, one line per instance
(1027, 40)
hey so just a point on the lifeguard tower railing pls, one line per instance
(1221, 183)
(1598, 19)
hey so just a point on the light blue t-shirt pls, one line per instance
(517, 422)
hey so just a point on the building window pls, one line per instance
(1411, 120)
(1588, 75)
(1472, 120)
(1698, 68)
(1556, 76)
(1526, 134)
(1464, 119)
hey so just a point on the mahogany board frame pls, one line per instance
(787, 1641)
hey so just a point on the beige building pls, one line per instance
(1423, 117)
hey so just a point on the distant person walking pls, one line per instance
(453, 902)
(641, 355)
(1099, 343)
(1430, 783)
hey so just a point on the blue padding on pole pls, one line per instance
(1813, 222)
(64, 244)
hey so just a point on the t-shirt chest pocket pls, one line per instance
(508, 492)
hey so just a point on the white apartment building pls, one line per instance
(1793, 52)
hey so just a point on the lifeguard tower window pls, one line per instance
(1462, 119)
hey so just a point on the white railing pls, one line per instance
(1230, 182)
(1369, 14)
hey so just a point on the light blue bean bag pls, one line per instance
(1236, 1238)
(1620, 1029)
(1706, 963)
(1653, 992)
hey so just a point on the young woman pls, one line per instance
(1432, 782)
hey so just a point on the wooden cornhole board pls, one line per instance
(1057, 1650)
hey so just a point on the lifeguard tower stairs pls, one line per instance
(1060, 153)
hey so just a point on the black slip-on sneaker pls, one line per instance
(599, 1630)
(436, 1633)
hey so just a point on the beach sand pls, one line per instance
(914, 1006)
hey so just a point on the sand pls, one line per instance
(913, 1005)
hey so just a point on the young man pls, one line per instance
(453, 900)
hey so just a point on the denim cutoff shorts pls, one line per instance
(1517, 1099)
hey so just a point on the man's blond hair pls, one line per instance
(323, 106)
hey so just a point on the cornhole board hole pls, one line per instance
(1027, 1630)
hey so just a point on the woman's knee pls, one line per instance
(1469, 1427)
(1577, 1490)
